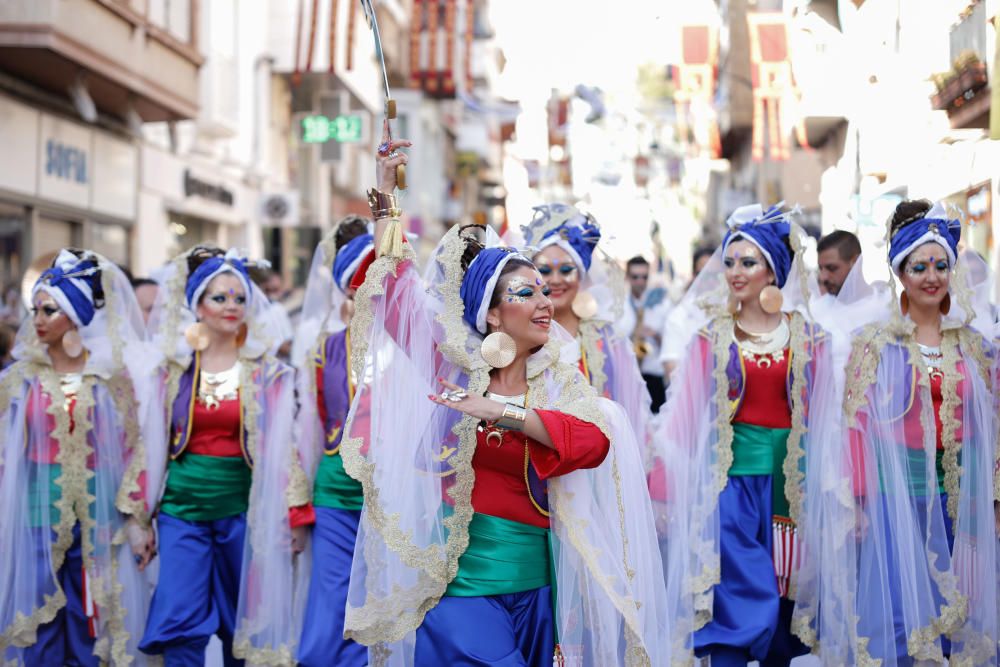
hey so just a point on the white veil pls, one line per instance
(611, 607)
(112, 429)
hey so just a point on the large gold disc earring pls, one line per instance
(72, 343)
(498, 350)
(771, 300)
(196, 336)
(241, 335)
(584, 305)
(946, 304)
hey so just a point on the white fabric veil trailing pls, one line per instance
(322, 302)
(611, 362)
(273, 584)
(902, 565)
(418, 478)
(110, 429)
(693, 436)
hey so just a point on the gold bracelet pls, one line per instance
(513, 417)
(383, 205)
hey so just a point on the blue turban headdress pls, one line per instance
(479, 283)
(349, 258)
(934, 227)
(565, 226)
(71, 282)
(199, 279)
(768, 230)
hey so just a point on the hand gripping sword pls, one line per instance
(390, 104)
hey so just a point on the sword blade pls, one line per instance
(366, 6)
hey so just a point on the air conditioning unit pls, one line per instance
(280, 209)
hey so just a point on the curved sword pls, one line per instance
(390, 104)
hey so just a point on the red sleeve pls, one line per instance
(577, 444)
(303, 515)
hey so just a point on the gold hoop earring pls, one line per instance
(72, 343)
(241, 335)
(584, 305)
(946, 304)
(771, 299)
(196, 336)
(498, 350)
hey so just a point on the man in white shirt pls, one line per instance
(643, 320)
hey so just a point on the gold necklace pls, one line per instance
(213, 388)
(763, 348)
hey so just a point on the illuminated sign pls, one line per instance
(321, 129)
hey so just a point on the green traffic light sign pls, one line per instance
(321, 129)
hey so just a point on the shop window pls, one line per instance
(187, 232)
(112, 241)
(52, 234)
(13, 223)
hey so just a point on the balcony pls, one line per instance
(964, 93)
(130, 54)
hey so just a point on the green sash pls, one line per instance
(334, 487)
(503, 557)
(916, 463)
(758, 450)
(43, 493)
(205, 488)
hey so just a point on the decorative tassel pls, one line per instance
(89, 608)
(392, 240)
(558, 659)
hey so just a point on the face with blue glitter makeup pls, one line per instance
(223, 305)
(51, 323)
(523, 310)
(747, 271)
(926, 276)
(561, 275)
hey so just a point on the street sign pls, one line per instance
(341, 129)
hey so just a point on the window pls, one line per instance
(970, 34)
(172, 16)
(111, 241)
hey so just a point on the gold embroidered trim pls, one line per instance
(279, 657)
(130, 499)
(950, 424)
(593, 352)
(385, 620)
(175, 304)
(866, 352)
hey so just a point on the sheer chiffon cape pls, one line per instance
(414, 459)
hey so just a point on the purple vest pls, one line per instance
(333, 360)
(182, 412)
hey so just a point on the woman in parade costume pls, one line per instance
(732, 439)
(326, 388)
(908, 543)
(235, 504)
(507, 516)
(72, 473)
(588, 295)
